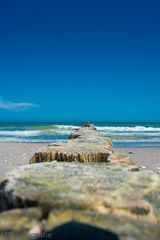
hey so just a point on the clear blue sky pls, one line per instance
(79, 60)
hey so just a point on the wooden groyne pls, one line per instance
(84, 145)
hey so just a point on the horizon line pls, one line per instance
(81, 121)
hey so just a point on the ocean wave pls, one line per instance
(51, 133)
(67, 127)
(128, 129)
(109, 128)
(40, 140)
(130, 134)
(138, 140)
(29, 133)
(24, 140)
(59, 132)
(22, 133)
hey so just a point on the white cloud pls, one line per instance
(7, 105)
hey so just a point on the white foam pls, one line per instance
(128, 129)
(23, 140)
(138, 140)
(22, 133)
(29, 133)
(71, 127)
(128, 134)
(117, 133)
(59, 132)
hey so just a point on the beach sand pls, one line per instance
(145, 158)
(13, 155)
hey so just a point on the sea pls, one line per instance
(123, 134)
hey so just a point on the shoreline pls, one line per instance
(13, 155)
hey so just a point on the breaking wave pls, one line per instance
(129, 129)
(20, 133)
(120, 134)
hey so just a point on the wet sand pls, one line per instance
(13, 155)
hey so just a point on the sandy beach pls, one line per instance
(17, 154)
(145, 158)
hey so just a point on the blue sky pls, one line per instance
(79, 60)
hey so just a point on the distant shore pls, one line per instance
(13, 155)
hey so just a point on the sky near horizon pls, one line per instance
(79, 60)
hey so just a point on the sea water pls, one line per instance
(122, 134)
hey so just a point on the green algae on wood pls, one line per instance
(101, 195)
